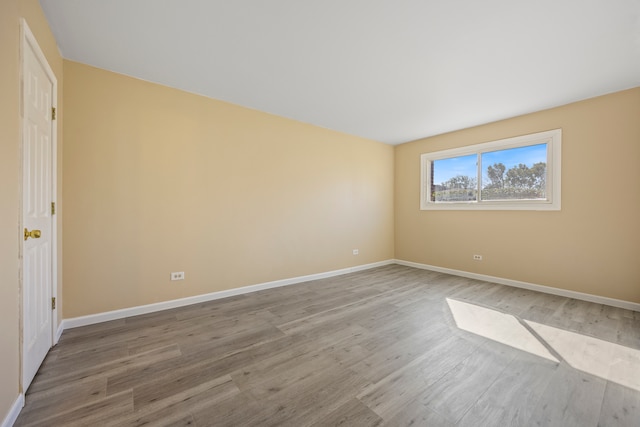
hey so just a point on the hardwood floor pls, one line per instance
(391, 346)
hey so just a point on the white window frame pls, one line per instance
(552, 138)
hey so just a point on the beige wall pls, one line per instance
(591, 245)
(9, 196)
(10, 176)
(158, 180)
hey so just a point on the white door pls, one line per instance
(37, 192)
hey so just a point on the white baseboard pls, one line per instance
(12, 416)
(150, 308)
(525, 285)
(165, 305)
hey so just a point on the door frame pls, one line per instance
(28, 41)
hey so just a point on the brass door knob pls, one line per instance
(34, 234)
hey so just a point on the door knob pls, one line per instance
(34, 234)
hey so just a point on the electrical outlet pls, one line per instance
(356, 251)
(477, 257)
(177, 275)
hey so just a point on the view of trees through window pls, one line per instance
(511, 174)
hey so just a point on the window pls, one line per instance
(516, 173)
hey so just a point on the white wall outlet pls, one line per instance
(477, 257)
(356, 251)
(177, 275)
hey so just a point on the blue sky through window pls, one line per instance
(446, 169)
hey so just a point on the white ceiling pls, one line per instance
(391, 71)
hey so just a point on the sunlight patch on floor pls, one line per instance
(497, 326)
(601, 358)
(610, 361)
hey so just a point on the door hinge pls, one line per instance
(53, 303)
(53, 208)
(53, 113)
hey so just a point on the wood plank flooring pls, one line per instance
(382, 347)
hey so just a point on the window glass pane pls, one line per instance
(454, 179)
(515, 174)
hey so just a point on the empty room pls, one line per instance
(252, 213)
